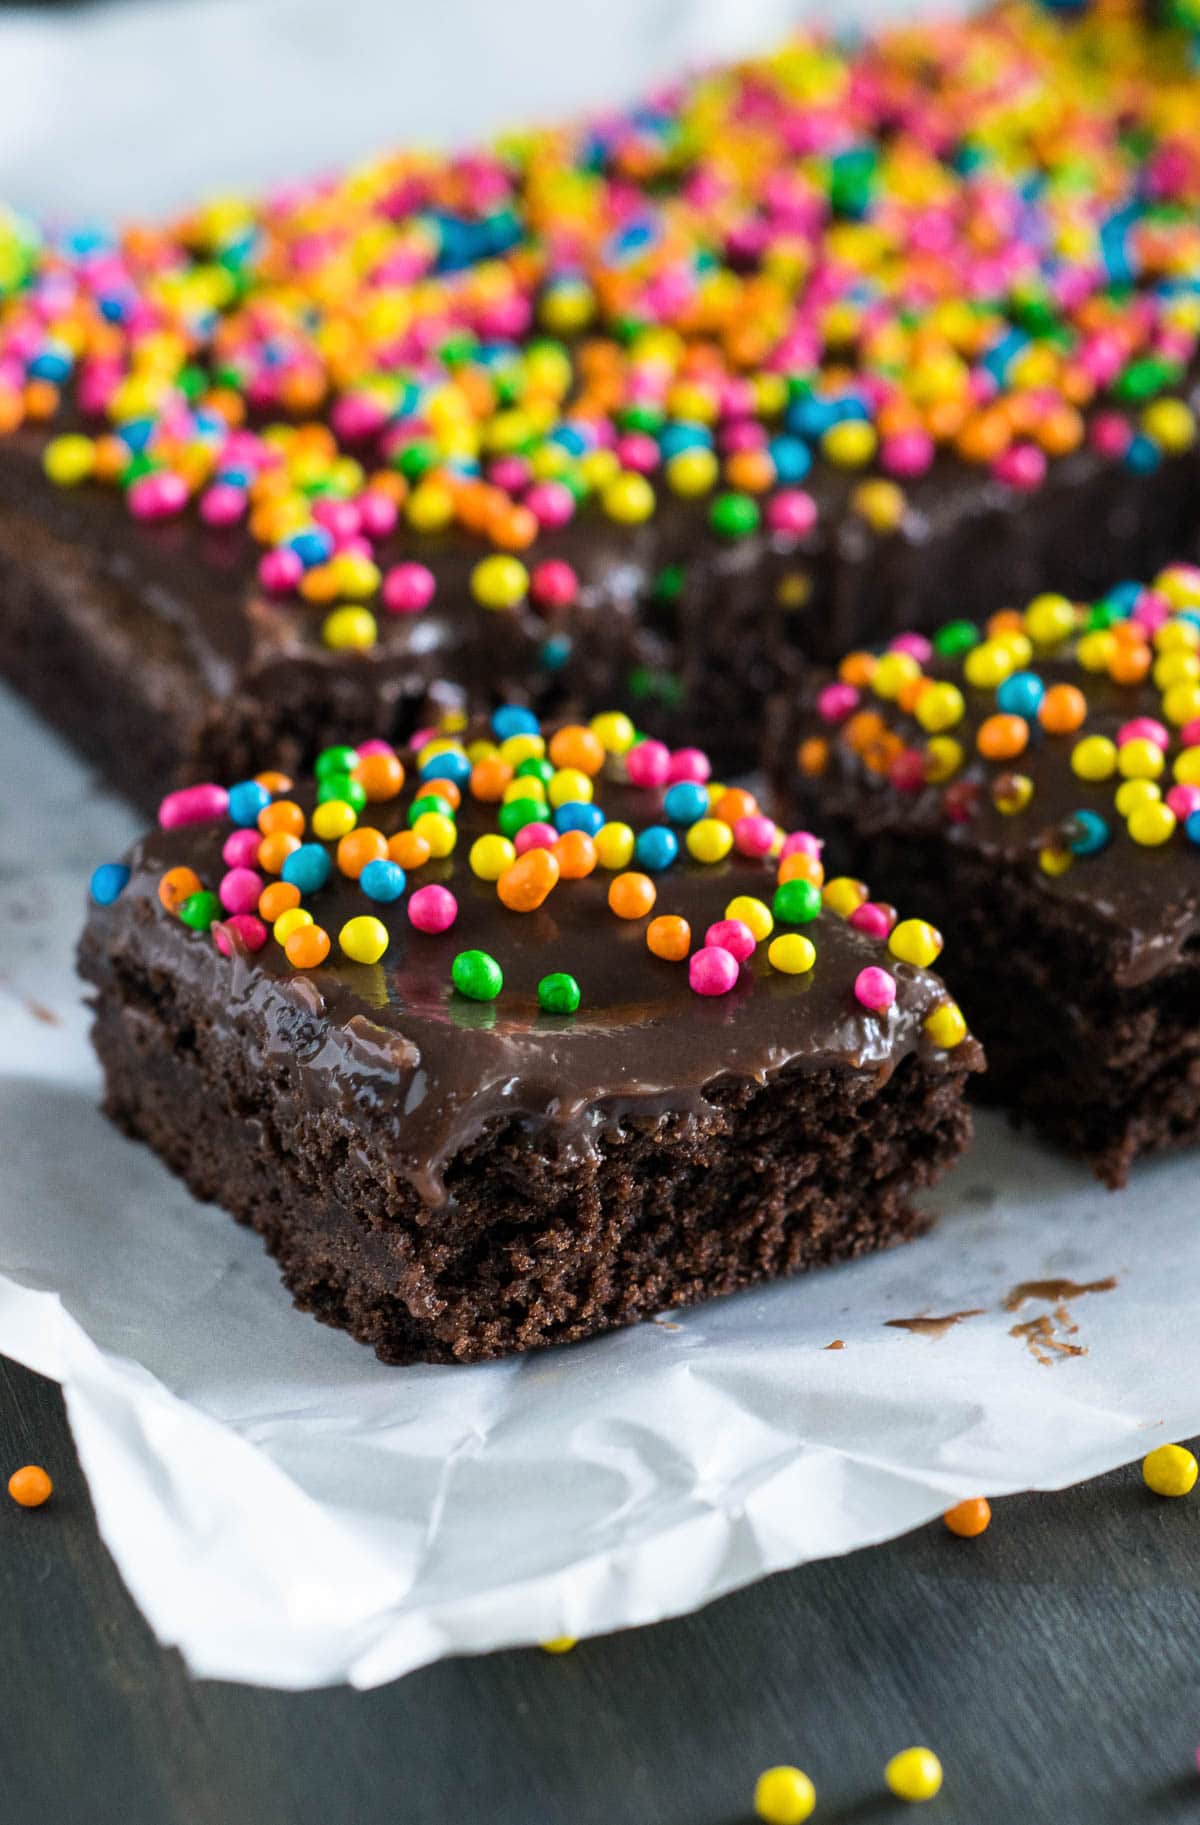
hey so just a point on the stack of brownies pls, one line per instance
(437, 547)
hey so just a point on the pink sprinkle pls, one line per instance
(510, 473)
(792, 511)
(754, 835)
(554, 584)
(222, 504)
(1143, 728)
(638, 451)
(338, 517)
(802, 842)
(377, 514)
(1022, 467)
(432, 909)
(712, 970)
(691, 765)
(915, 645)
(1183, 800)
(376, 745)
(408, 588)
(907, 771)
(873, 919)
(356, 416)
(836, 701)
(280, 571)
(732, 935)
(648, 764)
(159, 496)
(551, 503)
(875, 989)
(192, 805)
(907, 453)
(242, 931)
(239, 890)
(1189, 735)
(240, 849)
(1151, 610)
(535, 836)
(1110, 434)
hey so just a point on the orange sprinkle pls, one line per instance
(1130, 664)
(735, 803)
(575, 853)
(273, 782)
(799, 866)
(632, 895)
(523, 886)
(969, 1519)
(381, 776)
(29, 1487)
(307, 947)
(1002, 737)
(576, 746)
(857, 669)
(407, 848)
(275, 849)
(668, 937)
(489, 778)
(358, 847)
(279, 897)
(1063, 709)
(284, 814)
(178, 885)
(812, 756)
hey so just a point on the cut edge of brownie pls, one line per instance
(530, 1249)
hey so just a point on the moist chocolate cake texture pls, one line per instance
(650, 410)
(1035, 786)
(501, 1045)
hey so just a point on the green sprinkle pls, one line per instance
(517, 813)
(336, 760)
(340, 785)
(477, 976)
(734, 516)
(955, 638)
(558, 993)
(535, 767)
(429, 801)
(796, 902)
(199, 910)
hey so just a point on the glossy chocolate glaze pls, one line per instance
(1147, 899)
(392, 1043)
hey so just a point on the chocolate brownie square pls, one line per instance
(1035, 786)
(500, 1045)
(651, 409)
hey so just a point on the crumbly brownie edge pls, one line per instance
(811, 1167)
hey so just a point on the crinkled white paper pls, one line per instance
(287, 1510)
(284, 1508)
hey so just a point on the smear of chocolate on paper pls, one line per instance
(923, 1326)
(41, 1012)
(1047, 1337)
(837, 1344)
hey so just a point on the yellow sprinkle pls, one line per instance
(893, 673)
(350, 630)
(754, 913)
(364, 939)
(628, 498)
(570, 786)
(940, 707)
(1140, 759)
(290, 921)
(490, 856)
(333, 819)
(614, 845)
(1134, 792)
(843, 895)
(1055, 862)
(1170, 424)
(692, 472)
(1093, 758)
(614, 731)
(784, 1796)
(946, 1026)
(709, 840)
(915, 941)
(792, 953)
(560, 1644)
(914, 1774)
(850, 444)
(440, 832)
(988, 665)
(1170, 1470)
(1151, 825)
(499, 581)
(69, 460)
(943, 758)
(1049, 620)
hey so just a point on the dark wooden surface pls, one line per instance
(1054, 1665)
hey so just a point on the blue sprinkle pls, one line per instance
(792, 459)
(656, 848)
(109, 882)
(137, 432)
(1020, 694)
(514, 719)
(1142, 456)
(312, 546)
(52, 363)
(246, 800)
(448, 765)
(1191, 828)
(578, 815)
(382, 880)
(1090, 833)
(554, 652)
(681, 434)
(686, 801)
(307, 868)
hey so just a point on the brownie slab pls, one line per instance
(652, 409)
(443, 1160)
(1035, 786)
